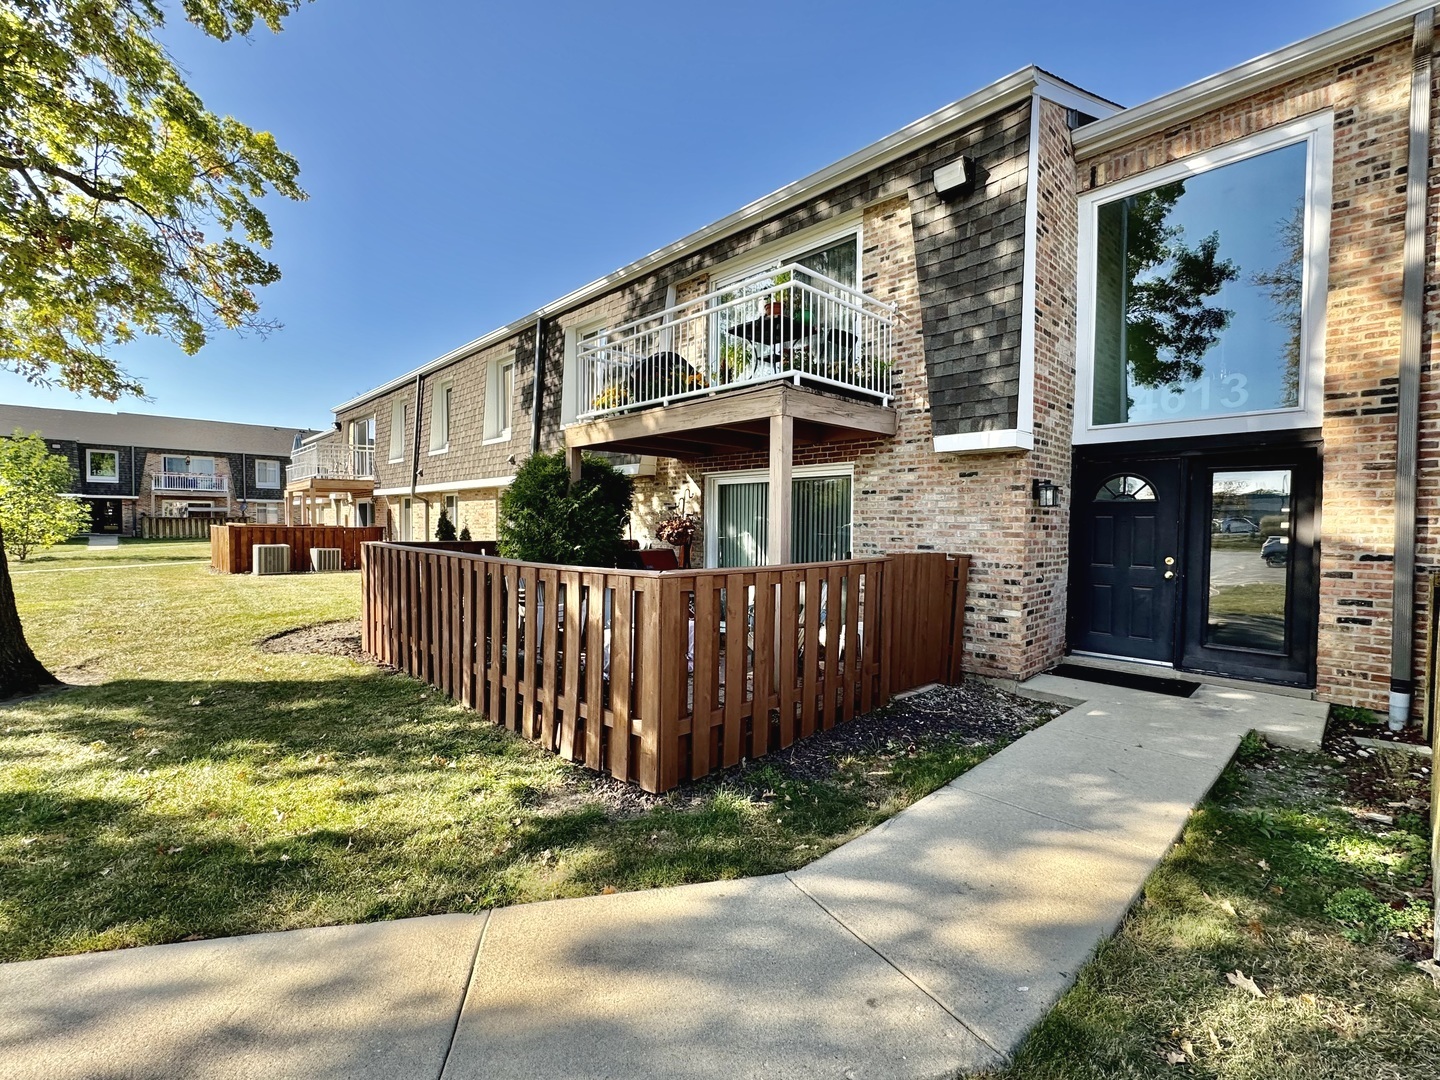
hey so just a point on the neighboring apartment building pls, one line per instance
(129, 465)
(1122, 357)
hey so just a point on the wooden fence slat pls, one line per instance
(594, 585)
(707, 633)
(788, 648)
(850, 684)
(737, 605)
(570, 698)
(814, 601)
(621, 653)
(549, 693)
(660, 620)
(834, 628)
(762, 673)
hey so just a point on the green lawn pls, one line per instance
(1276, 878)
(199, 786)
(77, 554)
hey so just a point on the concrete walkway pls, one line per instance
(926, 947)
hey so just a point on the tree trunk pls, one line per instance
(20, 672)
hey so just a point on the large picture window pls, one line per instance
(737, 518)
(102, 466)
(1205, 291)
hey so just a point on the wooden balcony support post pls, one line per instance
(782, 452)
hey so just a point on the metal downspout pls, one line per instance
(1407, 437)
(415, 454)
(536, 391)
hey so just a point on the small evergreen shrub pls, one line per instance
(444, 527)
(542, 519)
(465, 533)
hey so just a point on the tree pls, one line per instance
(34, 512)
(1285, 284)
(126, 206)
(444, 527)
(1169, 324)
(544, 518)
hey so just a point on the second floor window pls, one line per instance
(397, 430)
(499, 399)
(179, 463)
(267, 474)
(102, 466)
(440, 417)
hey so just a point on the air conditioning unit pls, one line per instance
(325, 560)
(270, 559)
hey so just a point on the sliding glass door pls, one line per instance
(738, 521)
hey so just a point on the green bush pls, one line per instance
(543, 519)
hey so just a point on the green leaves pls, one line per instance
(33, 510)
(126, 206)
(543, 518)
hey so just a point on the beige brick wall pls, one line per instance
(1369, 95)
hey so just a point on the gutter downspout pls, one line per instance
(1407, 437)
(536, 390)
(415, 454)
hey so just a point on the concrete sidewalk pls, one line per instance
(928, 946)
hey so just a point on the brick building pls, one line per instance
(130, 466)
(1147, 365)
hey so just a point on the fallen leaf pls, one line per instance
(1263, 865)
(1431, 968)
(1309, 999)
(1229, 908)
(608, 890)
(175, 850)
(1244, 982)
(1187, 1047)
(1175, 1057)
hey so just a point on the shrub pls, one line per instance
(444, 527)
(544, 519)
(465, 533)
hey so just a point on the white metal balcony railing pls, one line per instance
(786, 324)
(331, 462)
(176, 481)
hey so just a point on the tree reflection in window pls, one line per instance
(1170, 323)
(1125, 489)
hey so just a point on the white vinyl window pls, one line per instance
(737, 516)
(267, 473)
(102, 466)
(1202, 288)
(397, 431)
(499, 400)
(185, 464)
(440, 418)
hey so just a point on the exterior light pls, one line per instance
(1045, 493)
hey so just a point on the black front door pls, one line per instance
(1204, 559)
(105, 515)
(1125, 569)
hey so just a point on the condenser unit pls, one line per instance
(325, 560)
(270, 559)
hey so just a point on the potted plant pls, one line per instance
(678, 530)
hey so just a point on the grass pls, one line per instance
(77, 553)
(1278, 879)
(198, 786)
(1256, 598)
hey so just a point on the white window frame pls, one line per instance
(90, 476)
(190, 460)
(442, 391)
(397, 445)
(261, 481)
(570, 376)
(788, 248)
(713, 482)
(1318, 133)
(494, 379)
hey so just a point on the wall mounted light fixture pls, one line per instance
(1045, 493)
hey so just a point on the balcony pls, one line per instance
(790, 325)
(330, 461)
(189, 483)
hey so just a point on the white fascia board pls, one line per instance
(1377, 28)
(984, 442)
(1000, 94)
(83, 495)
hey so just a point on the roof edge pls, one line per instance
(999, 94)
(1269, 69)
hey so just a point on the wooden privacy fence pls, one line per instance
(176, 528)
(657, 677)
(230, 545)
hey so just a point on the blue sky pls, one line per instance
(470, 163)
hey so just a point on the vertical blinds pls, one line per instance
(819, 521)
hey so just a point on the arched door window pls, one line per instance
(1126, 488)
